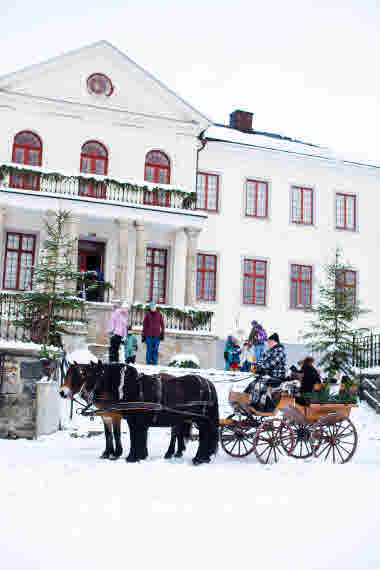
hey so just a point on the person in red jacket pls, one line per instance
(153, 333)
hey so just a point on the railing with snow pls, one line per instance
(95, 188)
(175, 320)
(13, 312)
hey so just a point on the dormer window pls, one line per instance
(99, 84)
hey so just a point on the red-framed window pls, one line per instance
(18, 262)
(254, 282)
(156, 269)
(257, 199)
(345, 212)
(27, 149)
(93, 160)
(346, 286)
(300, 286)
(206, 277)
(157, 169)
(207, 192)
(302, 205)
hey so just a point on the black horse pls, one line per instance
(178, 403)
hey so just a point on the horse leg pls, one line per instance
(173, 436)
(202, 455)
(109, 450)
(142, 439)
(133, 431)
(116, 425)
(181, 442)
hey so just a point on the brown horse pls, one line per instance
(79, 380)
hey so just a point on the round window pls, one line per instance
(99, 84)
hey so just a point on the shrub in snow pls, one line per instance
(184, 361)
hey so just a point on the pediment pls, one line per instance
(135, 90)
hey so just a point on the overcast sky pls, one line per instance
(305, 68)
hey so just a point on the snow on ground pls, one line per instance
(64, 508)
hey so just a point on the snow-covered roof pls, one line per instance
(271, 141)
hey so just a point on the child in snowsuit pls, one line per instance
(234, 355)
(130, 347)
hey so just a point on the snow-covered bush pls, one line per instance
(184, 361)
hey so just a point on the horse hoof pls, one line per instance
(131, 459)
(105, 455)
(114, 457)
(168, 455)
(199, 461)
(178, 454)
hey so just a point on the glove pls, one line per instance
(143, 338)
(162, 336)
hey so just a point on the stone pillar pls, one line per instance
(72, 232)
(191, 266)
(179, 268)
(3, 216)
(123, 291)
(140, 264)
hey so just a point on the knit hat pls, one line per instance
(125, 305)
(274, 337)
(152, 305)
(253, 323)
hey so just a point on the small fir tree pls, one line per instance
(331, 331)
(53, 304)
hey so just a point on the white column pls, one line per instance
(3, 217)
(179, 267)
(72, 233)
(123, 291)
(191, 266)
(140, 264)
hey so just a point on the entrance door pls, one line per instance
(91, 255)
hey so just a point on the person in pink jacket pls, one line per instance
(117, 330)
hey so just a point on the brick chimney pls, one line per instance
(241, 120)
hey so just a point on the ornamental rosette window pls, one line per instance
(99, 84)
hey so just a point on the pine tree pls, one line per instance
(53, 304)
(331, 331)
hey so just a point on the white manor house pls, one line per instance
(173, 207)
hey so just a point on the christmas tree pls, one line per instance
(331, 331)
(53, 304)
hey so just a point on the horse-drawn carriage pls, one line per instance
(305, 429)
(118, 391)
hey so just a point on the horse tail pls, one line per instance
(213, 417)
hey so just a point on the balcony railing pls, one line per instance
(175, 320)
(96, 188)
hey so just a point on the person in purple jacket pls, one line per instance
(117, 330)
(257, 339)
(153, 332)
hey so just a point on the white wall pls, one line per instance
(233, 236)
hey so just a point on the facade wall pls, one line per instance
(232, 235)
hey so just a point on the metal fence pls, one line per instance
(366, 351)
(13, 312)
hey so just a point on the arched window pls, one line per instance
(157, 169)
(27, 149)
(93, 160)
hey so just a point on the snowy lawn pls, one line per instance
(63, 508)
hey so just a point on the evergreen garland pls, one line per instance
(197, 317)
(331, 331)
(189, 198)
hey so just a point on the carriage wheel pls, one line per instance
(237, 439)
(335, 442)
(273, 439)
(302, 441)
